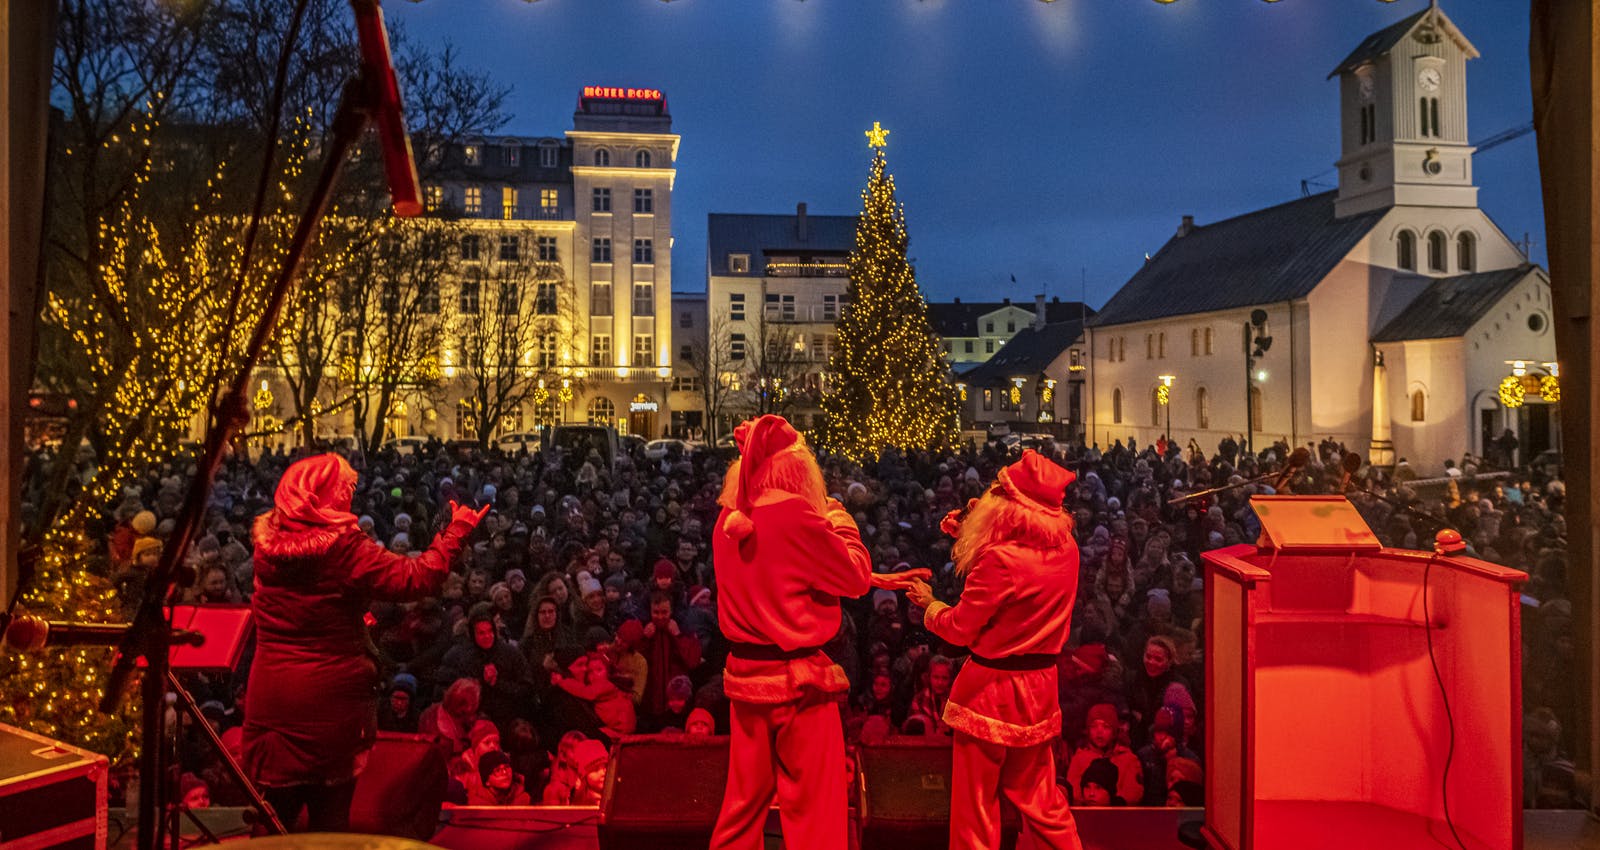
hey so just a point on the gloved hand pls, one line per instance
(901, 580)
(469, 515)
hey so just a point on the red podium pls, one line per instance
(1326, 725)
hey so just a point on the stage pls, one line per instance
(576, 828)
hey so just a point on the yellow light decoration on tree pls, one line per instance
(1511, 392)
(1550, 388)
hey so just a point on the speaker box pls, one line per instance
(51, 795)
(663, 792)
(402, 788)
(904, 788)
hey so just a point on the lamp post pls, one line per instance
(1164, 395)
(1256, 343)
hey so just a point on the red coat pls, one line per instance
(1017, 601)
(780, 586)
(312, 701)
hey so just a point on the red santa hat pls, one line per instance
(1036, 481)
(759, 440)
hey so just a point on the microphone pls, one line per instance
(29, 633)
(383, 92)
(1297, 461)
(1352, 465)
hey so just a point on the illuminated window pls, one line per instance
(434, 197)
(508, 205)
(602, 157)
(602, 200)
(1202, 408)
(472, 204)
(642, 159)
(644, 251)
(602, 411)
(510, 250)
(1467, 252)
(471, 244)
(547, 249)
(988, 399)
(544, 300)
(600, 298)
(1436, 251)
(546, 348)
(549, 200)
(644, 201)
(600, 350)
(1116, 406)
(738, 263)
(473, 154)
(511, 154)
(1406, 250)
(466, 423)
(644, 349)
(1419, 406)
(600, 250)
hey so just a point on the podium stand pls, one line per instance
(1326, 725)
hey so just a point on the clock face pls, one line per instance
(1428, 79)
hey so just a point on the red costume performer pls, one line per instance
(313, 691)
(784, 555)
(1015, 548)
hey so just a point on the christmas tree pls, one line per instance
(891, 386)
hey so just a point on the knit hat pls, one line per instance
(144, 522)
(630, 632)
(700, 596)
(664, 569)
(587, 584)
(404, 682)
(680, 687)
(481, 612)
(1101, 772)
(1178, 695)
(482, 729)
(616, 580)
(566, 654)
(1091, 658)
(588, 754)
(699, 715)
(883, 595)
(1103, 711)
(1169, 719)
(145, 544)
(1184, 770)
(758, 441)
(595, 636)
(489, 761)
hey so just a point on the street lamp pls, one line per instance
(1164, 395)
(1256, 343)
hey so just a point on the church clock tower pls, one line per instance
(1403, 118)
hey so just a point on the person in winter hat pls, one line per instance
(316, 575)
(784, 553)
(1015, 550)
(1103, 741)
(498, 785)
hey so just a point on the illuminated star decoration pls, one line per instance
(877, 137)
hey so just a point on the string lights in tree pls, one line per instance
(890, 384)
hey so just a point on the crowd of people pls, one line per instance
(583, 608)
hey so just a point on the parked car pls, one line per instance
(658, 449)
(529, 441)
(404, 445)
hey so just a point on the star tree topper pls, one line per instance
(877, 137)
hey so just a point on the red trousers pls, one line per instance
(795, 751)
(1026, 775)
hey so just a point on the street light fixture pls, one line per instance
(1256, 344)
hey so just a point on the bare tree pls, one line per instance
(775, 367)
(718, 376)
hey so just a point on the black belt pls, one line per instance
(768, 652)
(1027, 661)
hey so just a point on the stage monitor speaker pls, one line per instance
(663, 792)
(51, 795)
(402, 788)
(904, 787)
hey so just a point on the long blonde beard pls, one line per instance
(997, 518)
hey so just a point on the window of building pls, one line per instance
(600, 350)
(1202, 408)
(508, 205)
(830, 308)
(546, 347)
(1406, 250)
(1467, 251)
(602, 411)
(1428, 115)
(1005, 399)
(988, 398)
(511, 155)
(1208, 341)
(736, 346)
(600, 250)
(685, 319)
(602, 199)
(1194, 343)
(466, 423)
(549, 200)
(471, 245)
(686, 352)
(1011, 327)
(644, 251)
(642, 159)
(600, 298)
(738, 263)
(644, 298)
(510, 298)
(510, 250)
(472, 154)
(468, 297)
(602, 157)
(736, 306)
(780, 306)
(1436, 251)
(988, 346)
(545, 298)
(428, 295)
(547, 249)
(548, 156)
(967, 347)
(1149, 346)
(644, 200)
(644, 350)
(433, 197)
(1116, 406)
(1161, 345)
(988, 327)
(472, 201)
(1419, 406)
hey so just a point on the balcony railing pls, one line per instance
(807, 270)
(808, 313)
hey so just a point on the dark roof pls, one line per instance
(960, 318)
(1276, 254)
(759, 235)
(1378, 44)
(1027, 353)
(1450, 306)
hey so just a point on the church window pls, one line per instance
(1149, 346)
(1161, 345)
(1194, 343)
(1202, 408)
(1436, 251)
(1419, 406)
(1428, 116)
(1406, 250)
(1116, 406)
(1467, 251)
(1208, 341)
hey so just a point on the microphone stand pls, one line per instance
(1259, 479)
(150, 634)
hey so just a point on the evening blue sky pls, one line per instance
(1054, 142)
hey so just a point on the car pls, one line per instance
(577, 441)
(658, 449)
(529, 441)
(404, 445)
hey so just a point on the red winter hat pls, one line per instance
(664, 569)
(1038, 480)
(588, 754)
(630, 632)
(758, 440)
(1103, 711)
(1090, 658)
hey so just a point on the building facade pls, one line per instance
(971, 332)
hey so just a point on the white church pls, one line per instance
(1391, 314)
